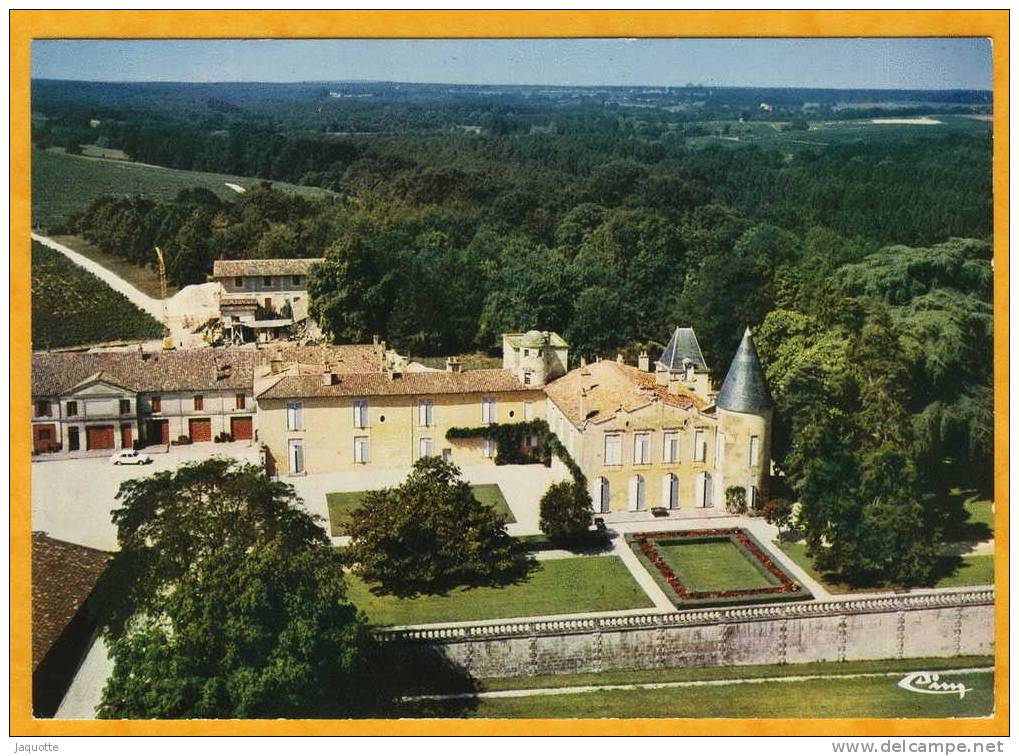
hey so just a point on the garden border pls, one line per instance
(786, 588)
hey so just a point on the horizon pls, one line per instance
(917, 64)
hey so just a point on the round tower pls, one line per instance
(744, 409)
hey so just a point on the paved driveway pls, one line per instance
(72, 498)
(521, 485)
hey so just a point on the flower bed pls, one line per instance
(780, 585)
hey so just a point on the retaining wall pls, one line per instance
(935, 624)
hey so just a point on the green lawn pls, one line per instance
(341, 504)
(62, 184)
(825, 698)
(555, 586)
(71, 307)
(491, 494)
(712, 566)
(955, 572)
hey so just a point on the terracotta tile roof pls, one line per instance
(63, 577)
(245, 302)
(380, 384)
(343, 358)
(280, 267)
(612, 387)
(536, 339)
(185, 370)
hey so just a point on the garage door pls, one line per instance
(44, 437)
(200, 430)
(240, 428)
(158, 432)
(99, 437)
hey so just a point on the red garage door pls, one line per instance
(99, 437)
(158, 432)
(44, 437)
(200, 430)
(240, 428)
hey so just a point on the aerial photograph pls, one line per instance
(379, 379)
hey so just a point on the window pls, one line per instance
(603, 502)
(199, 402)
(699, 446)
(670, 446)
(425, 447)
(754, 444)
(125, 406)
(641, 448)
(295, 416)
(426, 413)
(42, 409)
(531, 440)
(670, 491)
(157, 404)
(702, 492)
(238, 281)
(360, 413)
(239, 401)
(719, 448)
(528, 410)
(752, 498)
(361, 449)
(266, 280)
(612, 450)
(295, 280)
(527, 352)
(488, 410)
(488, 448)
(638, 494)
(527, 378)
(296, 456)
(72, 409)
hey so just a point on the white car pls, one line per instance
(130, 457)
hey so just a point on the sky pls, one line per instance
(935, 63)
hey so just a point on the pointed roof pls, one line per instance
(682, 346)
(744, 388)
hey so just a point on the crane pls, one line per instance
(167, 341)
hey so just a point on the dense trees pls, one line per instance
(430, 534)
(226, 600)
(565, 513)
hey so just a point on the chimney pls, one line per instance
(276, 363)
(644, 362)
(327, 376)
(453, 365)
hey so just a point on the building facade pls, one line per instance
(263, 300)
(663, 439)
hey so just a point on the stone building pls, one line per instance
(663, 439)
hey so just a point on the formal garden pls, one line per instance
(714, 567)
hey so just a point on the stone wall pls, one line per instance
(933, 624)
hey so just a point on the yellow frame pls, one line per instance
(28, 25)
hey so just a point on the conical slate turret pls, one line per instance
(682, 346)
(744, 389)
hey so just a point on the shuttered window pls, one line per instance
(295, 416)
(641, 448)
(360, 413)
(426, 413)
(612, 450)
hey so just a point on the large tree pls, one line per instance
(226, 600)
(430, 534)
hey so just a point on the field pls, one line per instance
(145, 280)
(555, 586)
(775, 135)
(713, 566)
(876, 696)
(62, 184)
(71, 307)
(341, 504)
(952, 571)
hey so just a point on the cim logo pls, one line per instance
(930, 682)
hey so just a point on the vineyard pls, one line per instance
(71, 307)
(62, 184)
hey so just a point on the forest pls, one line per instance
(863, 265)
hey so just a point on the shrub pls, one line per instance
(778, 512)
(736, 499)
(566, 513)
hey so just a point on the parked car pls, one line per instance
(130, 457)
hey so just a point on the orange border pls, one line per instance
(26, 25)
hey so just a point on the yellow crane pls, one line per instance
(167, 341)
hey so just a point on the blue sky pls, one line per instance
(939, 63)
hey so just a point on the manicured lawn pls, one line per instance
(712, 566)
(846, 697)
(491, 494)
(341, 504)
(954, 571)
(71, 307)
(555, 586)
